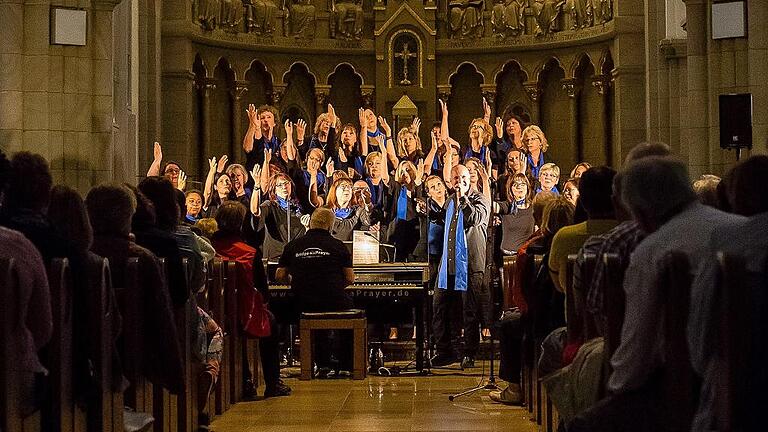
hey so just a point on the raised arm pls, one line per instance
(444, 121)
(486, 111)
(256, 194)
(384, 169)
(290, 148)
(154, 169)
(429, 159)
(265, 169)
(254, 129)
(301, 127)
(485, 182)
(389, 145)
(314, 198)
(447, 166)
(363, 132)
(208, 189)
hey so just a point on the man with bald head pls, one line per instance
(460, 274)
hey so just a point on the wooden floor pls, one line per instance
(377, 404)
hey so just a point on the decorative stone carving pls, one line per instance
(301, 19)
(261, 16)
(489, 93)
(465, 18)
(405, 55)
(547, 13)
(207, 13)
(532, 90)
(444, 92)
(277, 94)
(368, 95)
(231, 15)
(507, 18)
(602, 83)
(582, 14)
(606, 11)
(240, 88)
(571, 87)
(347, 22)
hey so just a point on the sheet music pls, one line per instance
(365, 247)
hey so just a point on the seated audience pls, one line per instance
(230, 245)
(706, 189)
(748, 240)
(154, 353)
(34, 327)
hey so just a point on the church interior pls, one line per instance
(477, 308)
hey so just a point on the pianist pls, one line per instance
(319, 268)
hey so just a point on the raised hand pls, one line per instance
(486, 109)
(331, 115)
(420, 169)
(329, 167)
(304, 219)
(288, 128)
(342, 155)
(385, 126)
(157, 152)
(182, 181)
(488, 163)
(361, 118)
(415, 125)
(267, 155)
(253, 115)
(499, 127)
(212, 163)
(256, 173)
(222, 163)
(421, 206)
(443, 106)
(301, 126)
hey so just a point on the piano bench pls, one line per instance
(353, 319)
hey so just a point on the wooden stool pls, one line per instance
(353, 319)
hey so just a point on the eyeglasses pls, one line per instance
(549, 175)
(519, 184)
(359, 189)
(172, 170)
(345, 187)
(282, 184)
(477, 126)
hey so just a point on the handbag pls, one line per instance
(258, 324)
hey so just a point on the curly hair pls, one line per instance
(488, 135)
(332, 203)
(535, 130)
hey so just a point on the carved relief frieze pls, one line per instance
(260, 16)
(346, 19)
(231, 15)
(547, 15)
(507, 18)
(301, 19)
(465, 18)
(206, 13)
(533, 90)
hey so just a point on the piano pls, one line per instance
(374, 283)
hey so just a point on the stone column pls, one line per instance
(205, 88)
(12, 77)
(534, 94)
(603, 85)
(698, 91)
(572, 89)
(236, 92)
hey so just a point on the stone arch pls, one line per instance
(259, 65)
(547, 64)
(296, 66)
(199, 68)
(351, 66)
(419, 37)
(463, 64)
(345, 93)
(579, 61)
(555, 117)
(511, 97)
(510, 64)
(300, 91)
(605, 65)
(220, 112)
(466, 100)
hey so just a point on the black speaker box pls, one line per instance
(736, 120)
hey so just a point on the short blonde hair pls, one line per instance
(322, 218)
(403, 166)
(535, 130)
(368, 160)
(402, 151)
(549, 166)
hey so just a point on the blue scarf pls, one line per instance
(376, 194)
(273, 144)
(320, 179)
(520, 203)
(534, 167)
(282, 203)
(553, 190)
(343, 213)
(461, 259)
(402, 203)
(374, 134)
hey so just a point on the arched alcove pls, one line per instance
(511, 97)
(222, 141)
(345, 93)
(197, 156)
(590, 116)
(465, 102)
(555, 116)
(300, 93)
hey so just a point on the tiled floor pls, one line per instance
(376, 404)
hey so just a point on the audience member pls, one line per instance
(706, 189)
(748, 240)
(149, 347)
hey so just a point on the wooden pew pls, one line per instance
(61, 414)
(613, 281)
(741, 331)
(530, 347)
(186, 401)
(216, 303)
(165, 404)
(105, 413)
(139, 395)
(232, 328)
(507, 270)
(12, 417)
(679, 383)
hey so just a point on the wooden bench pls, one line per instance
(343, 320)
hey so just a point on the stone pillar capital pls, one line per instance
(489, 93)
(277, 94)
(571, 87)
(368, 95)
(602, 83)
(321, 94)
(239, 89)
(444, 92)
(533, 90)
(206, 85)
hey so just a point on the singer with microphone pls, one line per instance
(280, 217)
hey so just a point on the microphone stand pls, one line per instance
(491, 383)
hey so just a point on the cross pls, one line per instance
(405, 54)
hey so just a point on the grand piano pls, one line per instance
(374, 283)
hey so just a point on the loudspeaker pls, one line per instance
(736, 120)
